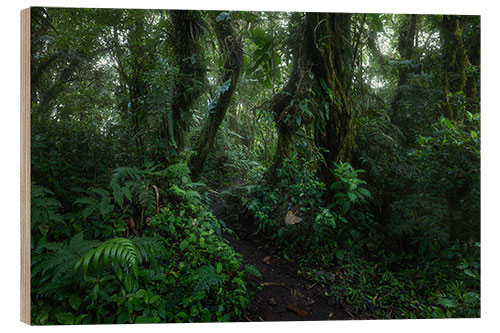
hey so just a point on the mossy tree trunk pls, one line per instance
(189, 60)
(284, 106)
(455, 63)
(321, 76)
(232, 51)
(329, 46)
(406, 48)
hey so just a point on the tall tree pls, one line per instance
(455, 62)
(190, 62)
(320, 79)
(406, 47)
(232, 53)
(329, 46)
(285, 106)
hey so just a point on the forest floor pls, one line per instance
(281, 294)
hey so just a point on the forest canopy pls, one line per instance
(183, 161)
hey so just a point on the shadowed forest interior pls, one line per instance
(201, 166)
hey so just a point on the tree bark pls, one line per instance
(191, 72)
(284, 105)
(322, 75)
(232, 50)
(329, 38)
(406, 47)
(455, 62)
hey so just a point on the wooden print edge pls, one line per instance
(25, 102)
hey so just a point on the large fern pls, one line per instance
(52, 263)
(91, 204)
(116, 250)
(44, 207)
(134, 184)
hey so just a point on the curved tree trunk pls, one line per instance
(231, 48)
(284, 105)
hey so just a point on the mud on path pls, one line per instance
(280, 294)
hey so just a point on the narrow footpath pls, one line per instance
(281, 294)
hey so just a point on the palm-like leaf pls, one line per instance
(116, 250)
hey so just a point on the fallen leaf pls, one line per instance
(297, 310)
(267, 259)
(270, 284)
(290, 218)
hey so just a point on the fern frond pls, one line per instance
(60, 258)
(116, 250)
(123, 174)
(177, 171)
(39, 191)
(91, 205)
(208, 277)
(251, 269)
(102, 192)
(149, 247)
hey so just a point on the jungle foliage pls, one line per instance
(349, 143)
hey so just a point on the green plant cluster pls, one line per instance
(326, 230)
(179, 270)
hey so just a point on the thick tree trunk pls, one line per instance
(455, 62)
(406, 47)
(329, 38)
(231, 48)
(322, 75)
(191, 73)
(284, 105)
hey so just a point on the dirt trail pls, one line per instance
(284, 295)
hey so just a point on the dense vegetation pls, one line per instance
(348, 143)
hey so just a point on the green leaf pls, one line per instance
(140, 293)
(127, 193)
(218, 268)
(75, 301)
(184, 244)
(118, 195)
(448, 303)
(80, 317)
(364, 192)
(65, 318)
(223, 16)
(123, 318)
(205, 316)
(447, 122)
(147, 320)
(298, 120)
(251, 269)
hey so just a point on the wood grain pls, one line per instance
(25, 167)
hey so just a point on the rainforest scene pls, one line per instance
(216, 166)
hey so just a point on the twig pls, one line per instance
(312, 285)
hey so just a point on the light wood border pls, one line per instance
(25, 166)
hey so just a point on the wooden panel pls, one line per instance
(25, 167)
